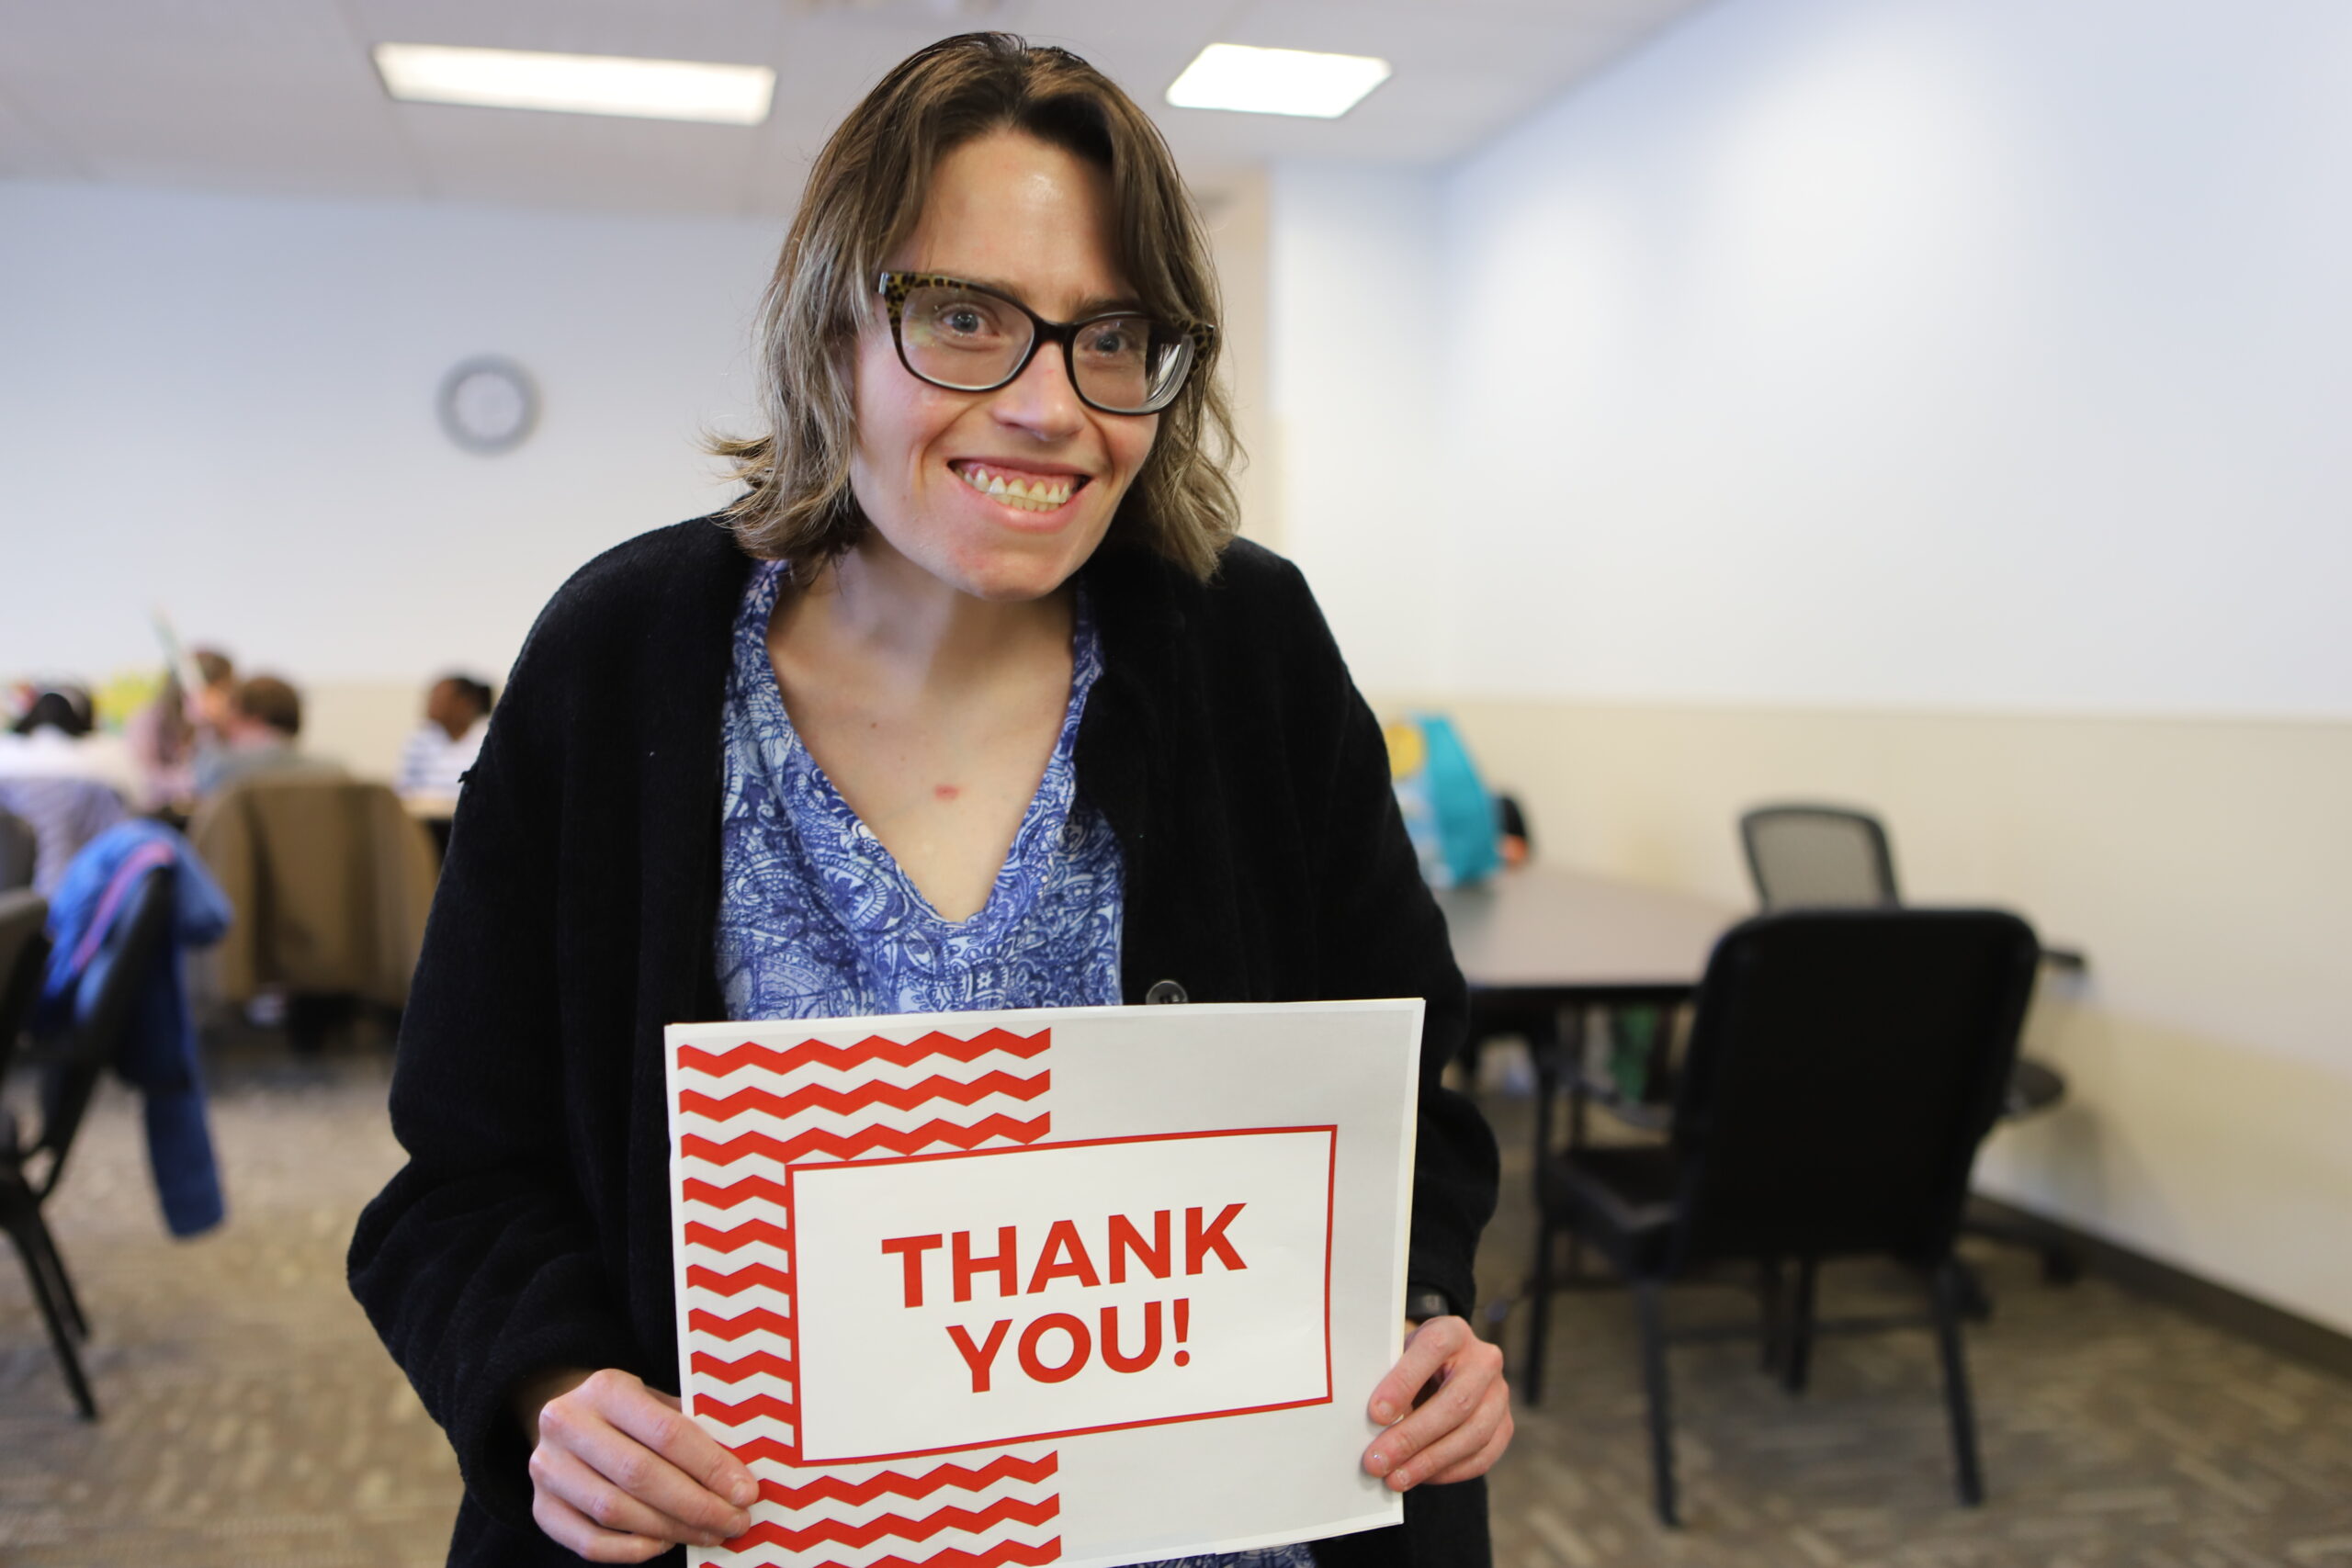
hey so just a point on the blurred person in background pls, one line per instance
(434, 760)
(168, 734)
(263, 722)
(66, 780)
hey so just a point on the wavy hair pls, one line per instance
(865, 194)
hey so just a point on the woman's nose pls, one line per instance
(1041, 400)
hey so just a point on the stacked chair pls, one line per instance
(1813, 856)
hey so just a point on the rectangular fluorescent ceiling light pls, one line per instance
(1276, 80)
(577, 84)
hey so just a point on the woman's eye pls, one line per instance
(1118, 340)
(966, 321)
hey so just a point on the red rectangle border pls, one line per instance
(1330, 1214)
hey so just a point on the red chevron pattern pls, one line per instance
(759, 1320)
(749, 1277)
(843, 1533)
(877, 1140)
(759, 1450)
(732, 1372)
(736, 1193)
(742, 1235)
(750, 1409)
(1010, 1551)
(866, 1053)
(890, 1484)
(778, 1102)
(899, 1097)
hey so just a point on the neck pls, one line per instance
(875, 606)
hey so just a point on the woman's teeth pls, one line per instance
(1041, 492)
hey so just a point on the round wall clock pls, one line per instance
(488, 404)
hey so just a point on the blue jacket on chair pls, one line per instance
(158, 1053)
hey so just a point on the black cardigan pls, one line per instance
(1265, 862)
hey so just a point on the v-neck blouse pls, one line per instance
(816, 919)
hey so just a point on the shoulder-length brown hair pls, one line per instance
(865, 194)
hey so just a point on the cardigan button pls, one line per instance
(1165, 991)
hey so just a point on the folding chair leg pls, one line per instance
(1649, 1303)
(1957, 1403)
(31, 1237)
(1798, 1351)
(61, 1283)
(1769, 1291)
(1539, 1317)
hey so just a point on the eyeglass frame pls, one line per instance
(894, 288)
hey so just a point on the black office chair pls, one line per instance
(70, 1068)
(1798, 1134)
(1807, 856)
(19, 852)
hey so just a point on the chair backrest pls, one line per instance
(23, 960)
(1843, 1067)
(134, 951)
(331, 879)
(1818, 857)
(19, 852)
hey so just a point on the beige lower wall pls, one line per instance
(2204, 866)
(361, 723)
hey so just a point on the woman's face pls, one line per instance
(1034, 221)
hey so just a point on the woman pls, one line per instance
(972, 702)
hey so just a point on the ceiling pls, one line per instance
(280, 95)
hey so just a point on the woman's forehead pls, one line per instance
(1024, 216)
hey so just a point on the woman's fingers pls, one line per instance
(1450, 1434)
(619, 1458)
(1481, 1462)
(569, 1481)
(716, 1474)
(573, 1531)
(1425, 1349)
(1468, 1449)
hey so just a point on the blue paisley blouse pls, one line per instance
(817, 920)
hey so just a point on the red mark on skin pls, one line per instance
(947, 791)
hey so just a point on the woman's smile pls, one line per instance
(1020, 487)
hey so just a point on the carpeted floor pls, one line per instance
(250, 1418)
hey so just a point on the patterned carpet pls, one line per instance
(250, 1417)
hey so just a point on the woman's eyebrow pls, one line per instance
(1092, 305)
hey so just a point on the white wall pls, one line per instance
(223, 406)
(1358, 447)
(1971, 353)
(1930, 403)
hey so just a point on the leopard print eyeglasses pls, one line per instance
(969, 337)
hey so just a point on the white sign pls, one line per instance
(1080, 1286)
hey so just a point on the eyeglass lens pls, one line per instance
(962, 339)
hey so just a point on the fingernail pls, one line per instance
(744, 1493)
(1383, 1413)
(1401, 1480)
(1378, 1461)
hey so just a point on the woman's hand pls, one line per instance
(619, 1475)
(1462, 1422)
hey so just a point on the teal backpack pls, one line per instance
(1448, 813)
